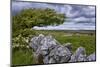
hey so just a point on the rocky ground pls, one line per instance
(48, 50)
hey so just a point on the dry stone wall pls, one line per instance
(48, 50)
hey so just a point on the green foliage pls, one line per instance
(25, 56)
(24, 32)
(84, 40)
(22, 57)
(29, 18)
(22, 24)
(87, 42)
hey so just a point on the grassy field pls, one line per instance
(86, 40)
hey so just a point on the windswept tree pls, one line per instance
(29, 18)
(22, 32)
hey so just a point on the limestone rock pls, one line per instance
(68, 45)
(79, 55)
(92, 57)
(49, 50)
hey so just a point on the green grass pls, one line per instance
(22, 57)
(84, 40)
(88, 42)
(25, 56)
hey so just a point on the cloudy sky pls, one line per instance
(80, 17)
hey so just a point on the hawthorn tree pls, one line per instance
(29, 18)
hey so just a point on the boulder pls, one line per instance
(92, 57)
(79, 55)
(60, 54)
(48, 50)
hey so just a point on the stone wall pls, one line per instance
(48, 50)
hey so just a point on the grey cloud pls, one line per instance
(77, 14)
